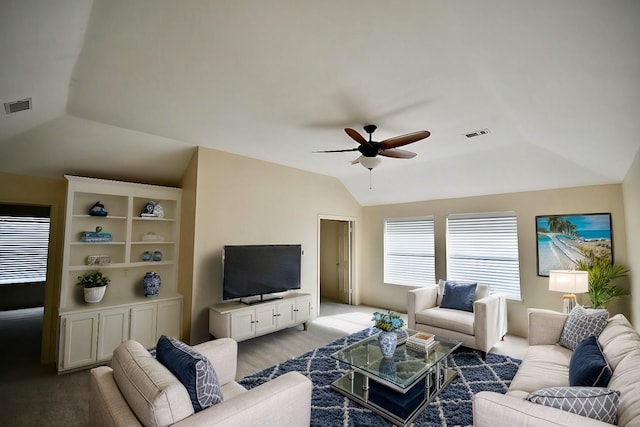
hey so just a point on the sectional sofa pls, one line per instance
(547, 365)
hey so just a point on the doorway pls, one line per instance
(24, 253)
(336, 259)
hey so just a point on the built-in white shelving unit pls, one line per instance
(88, 333)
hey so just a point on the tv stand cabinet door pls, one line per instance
(243, 324)
(303, 309)
(286, 314)
(267, 318)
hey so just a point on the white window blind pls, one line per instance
(409, 251)
(483, 248)
(24, 243)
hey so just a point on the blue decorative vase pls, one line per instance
(387, 368)
(388, 342)
(151, 284)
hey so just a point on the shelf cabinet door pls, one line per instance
(243, 324)
(143, 324)
(113, 329)
(169, 319)
(80, 339)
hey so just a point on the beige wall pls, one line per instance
(246, 201)
(535, 293)
(27, 190)
(631, 192)
(189, 184)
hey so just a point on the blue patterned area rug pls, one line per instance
(452, 407)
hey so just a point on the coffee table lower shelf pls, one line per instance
(401, 408)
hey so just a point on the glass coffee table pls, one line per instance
(398, 388)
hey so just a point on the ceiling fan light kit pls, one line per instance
(388, 148)
(370, 162)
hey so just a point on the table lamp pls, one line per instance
(571, 282)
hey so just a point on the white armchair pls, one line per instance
(480, 329)
(144, 392)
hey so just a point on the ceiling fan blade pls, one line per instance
(399, 141)
(397, 153)
(356, 161)
(337, 151)
(355, 135)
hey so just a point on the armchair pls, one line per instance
(138, 390)
(480, 329)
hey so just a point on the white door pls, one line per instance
(344, 261)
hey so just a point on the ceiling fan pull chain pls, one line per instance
(370, 178)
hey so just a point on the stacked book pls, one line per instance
(421, 342)
(91, 236)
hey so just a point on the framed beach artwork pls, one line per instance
(563, 240)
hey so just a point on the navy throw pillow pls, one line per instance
(588, 366)
(192, 369)
(458, 296)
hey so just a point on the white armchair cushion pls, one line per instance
(153, 393)
(453, 320)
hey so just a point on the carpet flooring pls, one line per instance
(451, 408)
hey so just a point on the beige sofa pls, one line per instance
(480, 329)
(547, 365)
(138, 390)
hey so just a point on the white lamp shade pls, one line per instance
(569, 281)
(370, 162)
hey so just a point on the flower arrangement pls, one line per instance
(387, 321)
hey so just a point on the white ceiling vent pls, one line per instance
(16, 106)
(477, 133)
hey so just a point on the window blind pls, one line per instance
(24, 243)
(483, 248)
(409, 251)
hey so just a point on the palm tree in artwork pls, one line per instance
(555, 224)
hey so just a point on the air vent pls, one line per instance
(16, 106)
(477, 133)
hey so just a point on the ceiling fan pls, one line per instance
(387, 148)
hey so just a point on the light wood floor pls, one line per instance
(335, 321)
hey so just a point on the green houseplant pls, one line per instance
(94, 284)
(601, 273)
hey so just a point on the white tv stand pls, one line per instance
(240, 321)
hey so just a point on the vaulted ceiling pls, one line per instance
(126, 89)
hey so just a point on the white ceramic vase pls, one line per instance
(94, 295)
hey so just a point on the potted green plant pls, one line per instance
(601, 273)
(94, 284)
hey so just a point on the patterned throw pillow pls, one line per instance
(581, 324)
(193, 370)
(593, 402)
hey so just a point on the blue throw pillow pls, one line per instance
(458, 296)
(192, 369)
(588, 367)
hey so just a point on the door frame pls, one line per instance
(352, 279)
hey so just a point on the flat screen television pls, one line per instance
(259, 270)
